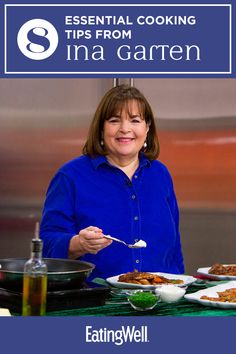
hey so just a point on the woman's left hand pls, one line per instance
(89, 240)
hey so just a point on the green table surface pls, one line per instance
(118, 306)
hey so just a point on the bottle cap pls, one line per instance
(37, 245)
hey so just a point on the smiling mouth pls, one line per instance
(124, 140)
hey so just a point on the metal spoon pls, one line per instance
(135, 245)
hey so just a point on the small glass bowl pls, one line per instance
(143, 300)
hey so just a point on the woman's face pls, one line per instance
(125, 132)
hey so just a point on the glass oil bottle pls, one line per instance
(35, 280)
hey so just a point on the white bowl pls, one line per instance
(170, 293)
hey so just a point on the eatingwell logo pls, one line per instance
(118, 337)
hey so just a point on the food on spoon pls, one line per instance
(228, 295)
(145, 278)
(140, 244)
(220, 269)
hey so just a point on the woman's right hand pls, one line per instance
(89, 240)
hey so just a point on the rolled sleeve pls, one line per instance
(58, 220)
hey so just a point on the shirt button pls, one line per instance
(135, 176)
(136, 218)
(133, 196)
(137, 261)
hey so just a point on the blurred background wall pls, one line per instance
(44, 122)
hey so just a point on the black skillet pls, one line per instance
(63, 274)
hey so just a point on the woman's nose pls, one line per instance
(124, 125)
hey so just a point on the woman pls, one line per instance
(118, 188)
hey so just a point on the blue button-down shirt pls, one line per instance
(91, 192)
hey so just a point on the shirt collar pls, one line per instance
(143, 160)
(101, 160)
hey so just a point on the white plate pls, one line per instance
(204, 271)
(187, 280)
(212, 292)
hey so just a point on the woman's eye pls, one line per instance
(136, 120)
(114, 120)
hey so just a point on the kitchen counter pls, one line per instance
(118, 306)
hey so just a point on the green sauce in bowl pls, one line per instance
(143, 301)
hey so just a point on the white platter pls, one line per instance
(187, 280)
(212, 292)
(204, 271)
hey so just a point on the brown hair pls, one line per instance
(112, 100)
